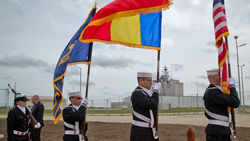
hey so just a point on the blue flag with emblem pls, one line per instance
(75, 52)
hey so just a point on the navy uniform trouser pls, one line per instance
(21, 138)
(73, 138)
(141, 134)
(35, 134)
(218, 138)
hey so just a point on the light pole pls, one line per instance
(243, 97)
(238, 66)
(80, 76)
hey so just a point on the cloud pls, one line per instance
(202, 77)
(77, 82)
(49, 69)
(200, 84)
(176, 67)
(7, 77)
(210, 49)
(73, 72)
(210, 43)
(115, 62)
(248, 77)
(21, 61)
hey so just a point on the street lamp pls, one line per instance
(243, 97)
(238, 66)
(80, 77)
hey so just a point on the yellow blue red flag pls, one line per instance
(74, 53)
(133, 23)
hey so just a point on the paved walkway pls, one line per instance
(242, 120)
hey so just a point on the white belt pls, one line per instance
(20, 133)
(141, 124)
(140, 116)
(218, 122)
(217, 116)
(71, 132)
(69, 125)
(74, 127)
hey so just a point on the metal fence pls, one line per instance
(171, 101)
(6, 100)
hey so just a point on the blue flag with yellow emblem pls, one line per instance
(74, 53)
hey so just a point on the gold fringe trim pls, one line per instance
(75, 63)
(131, 13)
(225, 34)
(56, 120)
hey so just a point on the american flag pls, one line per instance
(221, 30)
(220, 21)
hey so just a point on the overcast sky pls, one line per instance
(33, 34)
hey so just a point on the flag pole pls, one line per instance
(230, 75)
(86, 94)
(157, 80)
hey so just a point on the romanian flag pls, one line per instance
(75, 52)
(134, 23)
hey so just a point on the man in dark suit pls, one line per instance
(216, 103)
(144, 108)
(37, 111)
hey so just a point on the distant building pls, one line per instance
(170, 87)
(47, 102)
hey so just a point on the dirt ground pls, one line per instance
(99, 131)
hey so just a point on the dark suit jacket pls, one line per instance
(37, 112)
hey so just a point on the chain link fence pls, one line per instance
(6, 101)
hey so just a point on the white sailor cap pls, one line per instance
(212, 72)
(77, 93)
(20, 97)
(144, 74)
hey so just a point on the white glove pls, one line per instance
(38, 125)
(231, 81)
(157, 86)
(85, 102)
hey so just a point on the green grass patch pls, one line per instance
(182, 110)
(2, 119)
(109, 111)
(4, 112)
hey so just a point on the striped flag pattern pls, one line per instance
(220, 21)
(221, 30)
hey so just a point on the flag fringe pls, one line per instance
(56, 120)
(130, 13)
(225, 34)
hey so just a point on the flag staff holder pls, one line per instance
(232, 109)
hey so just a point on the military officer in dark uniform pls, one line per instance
(144, 105)
(216, 103)
(73, 117)
(18, 121)
(37, 111)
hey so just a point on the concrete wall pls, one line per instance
(172, 88)
(48, 104)
(120, 105)
(182, 101)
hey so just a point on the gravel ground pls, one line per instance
(99, 131)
